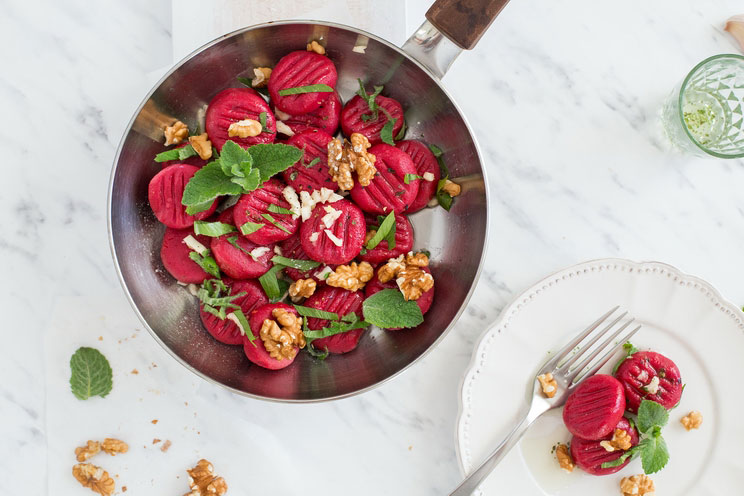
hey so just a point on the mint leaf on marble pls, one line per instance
(313, 88)
(91, 374)
(388, 309)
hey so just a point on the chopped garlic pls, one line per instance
(290, 195)
(359, 48)
(336, 241)
(428, 176)
(234, 318)
(314, 237)
(193, 289)
(258, 252)
(281, 127)
(653, 386)
(194, 245)
(282, 116)
(278, 250)
(331, 216)
(324, 195)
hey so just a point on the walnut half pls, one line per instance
(564, 458)
(176, 133)
(261, 77)
(302, 288)
(281, 342)
(316, 47)
(692, 420)
(247, 128)
(109, 445)
(202, 146)
(637, 485)
(411, 279)
(620, 441)
(203, 482)
(548, 384)
(95, 478)
(352, 277)
(346, 157)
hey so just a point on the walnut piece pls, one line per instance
(302, 288)
(282, 342)
(548, 384)
(346, 157)
(247, 128)
(352, 277)
(95, 478)
(202, 146)
(692, 420)
(262, 75)
(176, 133)
(451, 188)
(637, 485)
(85, 453)
(316, 47)
(113, 446)
(203, 482)
(564, 458)
(620, 441)
(411, 280)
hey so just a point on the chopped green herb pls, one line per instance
(316, 313)
(176, 154)
(313, 88)
(250, 228)
(246, 81)
(212, 229)
(629, 351)
(90, 374)
(371, 100)
(388, 309)
(271, 219)
(444, 198)
(386, 133)
(295, 263)
(383, 232)
(271, 283)
(312, 162)
(320, 355)
(206, 262)
(247, 331)
(262, 119)
(279, 210)
(411, 177)
(402, 133)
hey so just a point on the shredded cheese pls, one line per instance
(331, 216)
(194, 245)
(278, 250)
(281, 127)
(324, 272)
(290, 195)
(428, 176)
(653, 386)
(314, 237)
(336, 241)
(260, 251)
(282, 116)
(308, 200)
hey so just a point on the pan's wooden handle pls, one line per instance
(464, 21)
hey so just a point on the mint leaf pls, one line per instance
(315, 313)
(320, 355)
(246, 81)
(212, 229)
(262, 121)
(443, 198)
(215, 297)
(386, 226)
(208, 183)
(411, 177)
(295, 263)
(90, 374)
(386, 133)
(654, 454)
(402, 133)
(272, 285)
(650, 415)
(273, 158)
(629, 350)
(207, 263)
(313, 88)
(250, 228)
(246, 327)
(632, 452)
(388, 309)
(335, 327)
(279, 210)
(249, 182)
(176, 154)
(234, 155)
(312, 162)
(271, 219)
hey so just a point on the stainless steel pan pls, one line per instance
(456, 239)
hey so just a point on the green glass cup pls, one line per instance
(704, 115)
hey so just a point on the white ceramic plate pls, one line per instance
(683, 317)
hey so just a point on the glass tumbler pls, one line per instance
(703, 115)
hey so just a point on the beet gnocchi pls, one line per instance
(312, 242)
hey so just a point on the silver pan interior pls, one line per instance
(456, 239)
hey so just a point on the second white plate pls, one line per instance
(683, 317)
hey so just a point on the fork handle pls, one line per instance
(474, 479)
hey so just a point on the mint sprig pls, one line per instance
(215, 297)
(389, 309)
(237, 171)
(90, 374)
(371, 100)
(652, 449)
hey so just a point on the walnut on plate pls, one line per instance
(203, 482)
(302, 288)
(176, 133)
(261, 77)
(202, 146)
(95, 478)
(692, 420)
(407, 271)
(564, 458)
(316, 47)
(637, 485)
(282, 334)
(352, 277)
(347, 157)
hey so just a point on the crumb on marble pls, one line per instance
(410, 448)
(123, 489)
(166, 445)
(100, 338)
(154, 421)
(155, 441)
(135, 371)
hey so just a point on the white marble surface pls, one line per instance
(563, 97)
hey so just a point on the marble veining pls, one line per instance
(564, 100)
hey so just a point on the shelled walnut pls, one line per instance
(637, 485)
(302, 288)
(202, 146)
(316, 47)
(620, 441)
(692, 420)
(352, 277)
(282, 334)
(176, 133)
(347, 157)
(548, 384)
(203, 482)
(564, 458)
(261, 77)
(408, 274)
(95, 478)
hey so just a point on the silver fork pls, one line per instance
(568, 374)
